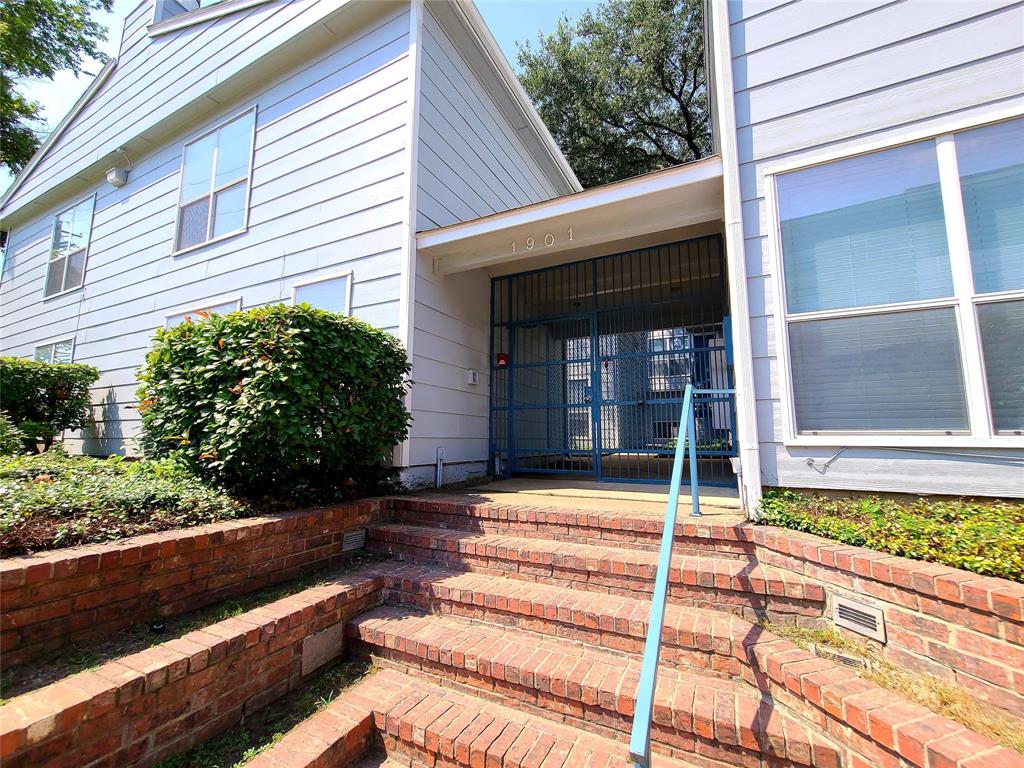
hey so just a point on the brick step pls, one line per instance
(694, 713)
(721, 583)
(626, 528)
(713, 642)
(423, 724)
(146, 706)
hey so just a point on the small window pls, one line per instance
(215, 184)
(201, 313)
(55, 351)
(68, 248)
(331, 293)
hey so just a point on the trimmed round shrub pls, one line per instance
(44, 399)
(277, 400)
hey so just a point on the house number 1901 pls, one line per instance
(530, 243)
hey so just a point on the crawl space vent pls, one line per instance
(354, 539)
(859, 617)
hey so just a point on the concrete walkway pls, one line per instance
(717, 504)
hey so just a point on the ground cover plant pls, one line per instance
(277, 400)
(984, 536)
(54, 500)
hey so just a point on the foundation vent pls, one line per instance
(859, 617)
(354, 539)
(840, 657)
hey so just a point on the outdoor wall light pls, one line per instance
(117, 176)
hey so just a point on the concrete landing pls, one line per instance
(719, 504)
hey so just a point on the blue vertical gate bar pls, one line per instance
(640, 738)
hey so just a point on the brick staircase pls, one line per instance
(506, 637)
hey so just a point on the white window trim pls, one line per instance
(236, 300)
(963, 302)
(213, 190)
(87, 248)
(324, 279)
(58, 340)
(198, 16)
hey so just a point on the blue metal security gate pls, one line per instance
(590, 360)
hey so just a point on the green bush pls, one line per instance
(55, 500)
(986, 537)
(43, 399)
(275, 401)
(12, 439)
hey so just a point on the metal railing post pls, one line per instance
(640, 737)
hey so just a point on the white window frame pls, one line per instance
(54, 342)
(324, 279)
(963, 300)
(49, 252)
(213, 190)
(236, 300)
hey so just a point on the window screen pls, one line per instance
(201, 313)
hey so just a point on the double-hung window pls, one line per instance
(215, 171)
(901, 278)
(62, 351)
(69, 246)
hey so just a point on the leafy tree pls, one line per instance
(38, 38)
(623, 89)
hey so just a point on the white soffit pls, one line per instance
(676, 197)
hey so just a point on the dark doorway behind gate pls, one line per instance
(589, 362)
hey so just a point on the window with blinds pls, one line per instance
(880, 282)
(201, 313)
(331, 293)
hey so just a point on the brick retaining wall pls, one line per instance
(52, 599)
(147, 706)
(953, 624)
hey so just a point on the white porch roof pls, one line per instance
(669, 199)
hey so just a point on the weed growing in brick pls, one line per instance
(939, 696)
(259, 732)
(986, 537)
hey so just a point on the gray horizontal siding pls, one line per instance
(471, 162)
(811, 75)
(328, 195)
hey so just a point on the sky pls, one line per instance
(511, 21)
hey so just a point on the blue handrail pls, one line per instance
(640, 739)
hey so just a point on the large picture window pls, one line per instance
(902, 285)
(214, 195)
(68, 248)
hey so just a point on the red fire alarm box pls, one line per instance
(502, 360)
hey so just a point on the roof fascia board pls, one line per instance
(659, 181)
(94, 86)
(478, 28)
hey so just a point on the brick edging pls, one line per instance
(52, 599)
(158, 702)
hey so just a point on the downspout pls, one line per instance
(720, 77)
